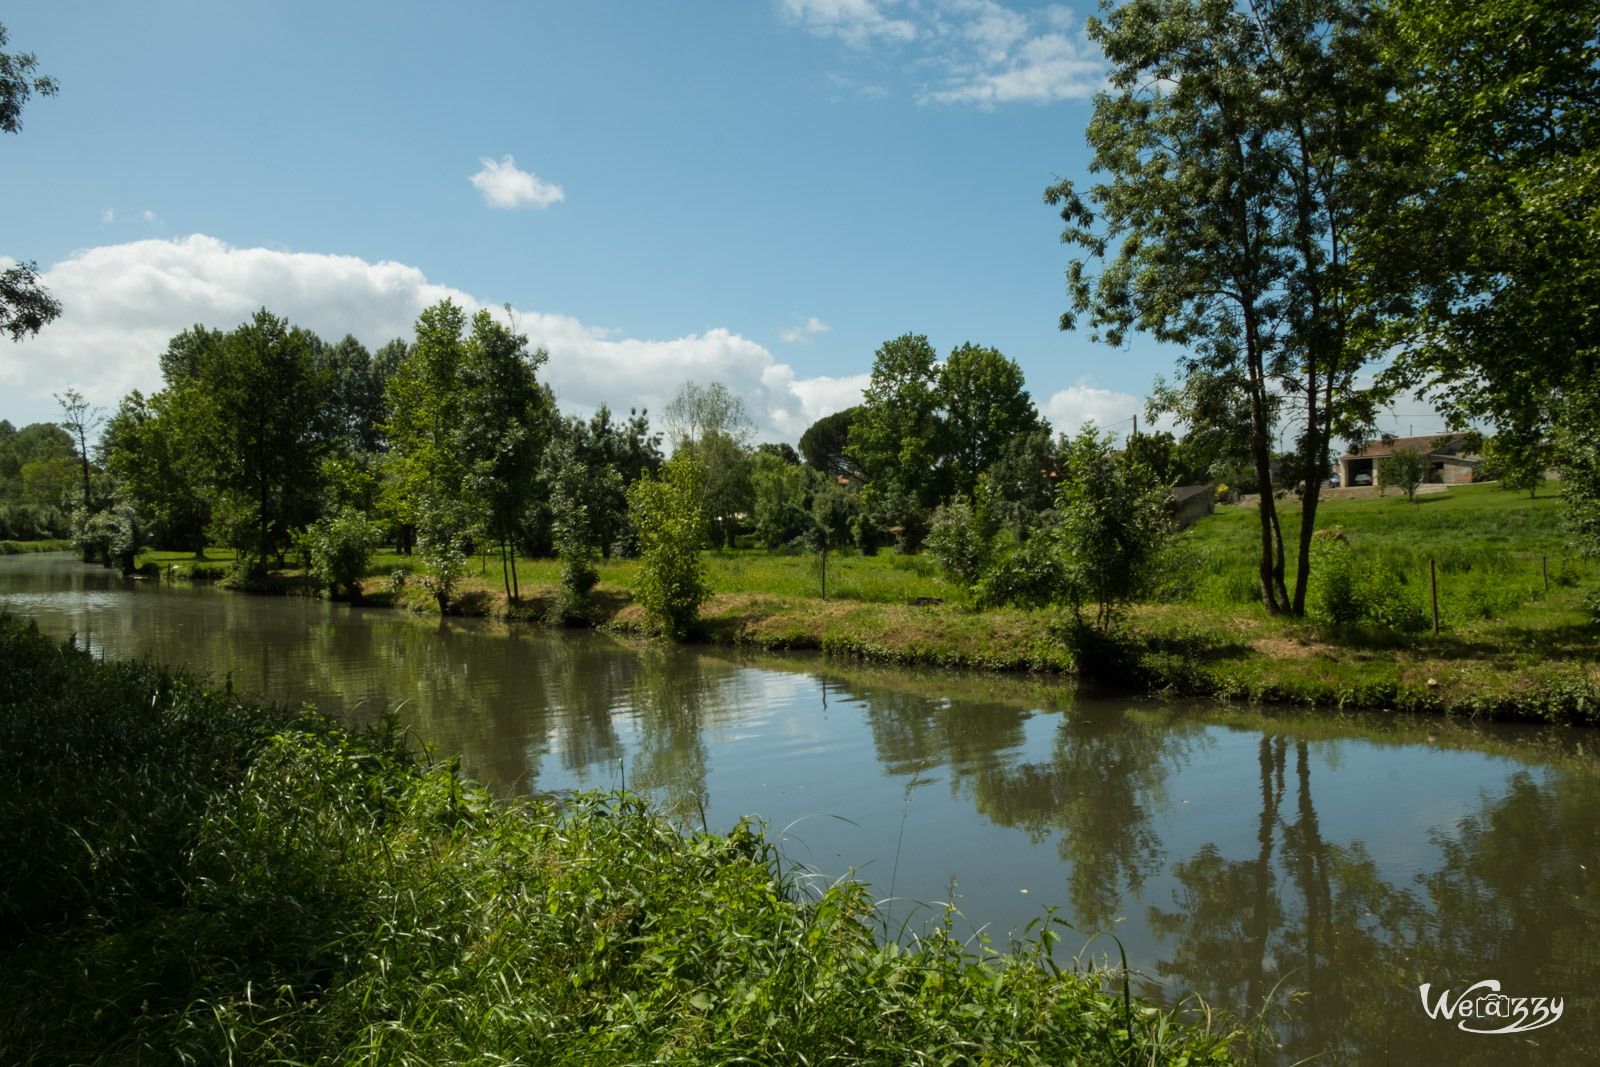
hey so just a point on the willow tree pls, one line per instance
(1235, 139)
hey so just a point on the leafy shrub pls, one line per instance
(1331, 594)
(439, 550)
(958, 544)
(1389, 602)
(338, 550)
(1033, 575)
(666, 510)
(1113, 523)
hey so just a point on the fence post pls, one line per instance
(1433, 580)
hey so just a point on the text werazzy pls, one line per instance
(1483, 1009)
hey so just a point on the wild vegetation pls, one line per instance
(256, 884)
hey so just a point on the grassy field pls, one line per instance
(1515, 640)
(192, 878)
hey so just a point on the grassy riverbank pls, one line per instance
(1515, 640)
(17, 548)
(194, 878)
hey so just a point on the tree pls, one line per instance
(80, 419)
(1577, 454)
(1405, 469)
(985, 408)
(897, 438)
(25, 305)
(505, 418)
(825, 445)
(1237, 138)
(666, 510)
(256, 405)
(778, 493)
(696, 412)
(711, 425)
(1490, 267)
(1113, 523)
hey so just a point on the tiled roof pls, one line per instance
(1387, 446)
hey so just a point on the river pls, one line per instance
(1328, 865)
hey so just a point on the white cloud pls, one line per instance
(804, 332)
(504, 186)
(108, 216)
(1041, 70)
(148, 215)
(855, 22)
(982, 51)
(1070, 408)
(124, 302)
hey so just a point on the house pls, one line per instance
(1191, 503)
(1452, 463)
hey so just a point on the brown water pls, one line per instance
(1331, 864)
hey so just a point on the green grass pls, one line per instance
(192, 878)
(17, 548)
(1492, 550)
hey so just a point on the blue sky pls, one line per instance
(759, 193)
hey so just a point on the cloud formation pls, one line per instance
(1068, 409)
(504, 186)
(983, 53)
(804, 332)
(124, 302)
(855, 22)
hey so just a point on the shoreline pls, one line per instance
(1551, 677)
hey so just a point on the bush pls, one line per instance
(666, 511)
(1033, 575)
(1331, 594)
(338, 550)
(958, 543)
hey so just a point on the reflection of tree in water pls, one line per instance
(677, 698)
(1510, 902)
(1105, 778)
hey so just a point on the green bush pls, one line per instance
(338, 550)
(666, 510)
(1331, 594)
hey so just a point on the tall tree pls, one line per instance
(985, 407)
(1238, 138)
(25, 305)
(81, 419)
(505, 424)
(1489, 271)
(898, 436)
(825, 445)
(257, 402)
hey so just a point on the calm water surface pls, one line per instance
(1339, 861)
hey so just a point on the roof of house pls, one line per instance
(1184, 493)
(1387, 446)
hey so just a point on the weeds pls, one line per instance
(192, 878)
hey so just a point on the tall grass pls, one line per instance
(191, 878)
(1493, 552)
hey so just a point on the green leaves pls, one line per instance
(666, 510)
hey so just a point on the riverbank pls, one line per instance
(17, 548)
(246, 883)
(1516, 640)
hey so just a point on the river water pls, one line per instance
(1329, 865)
